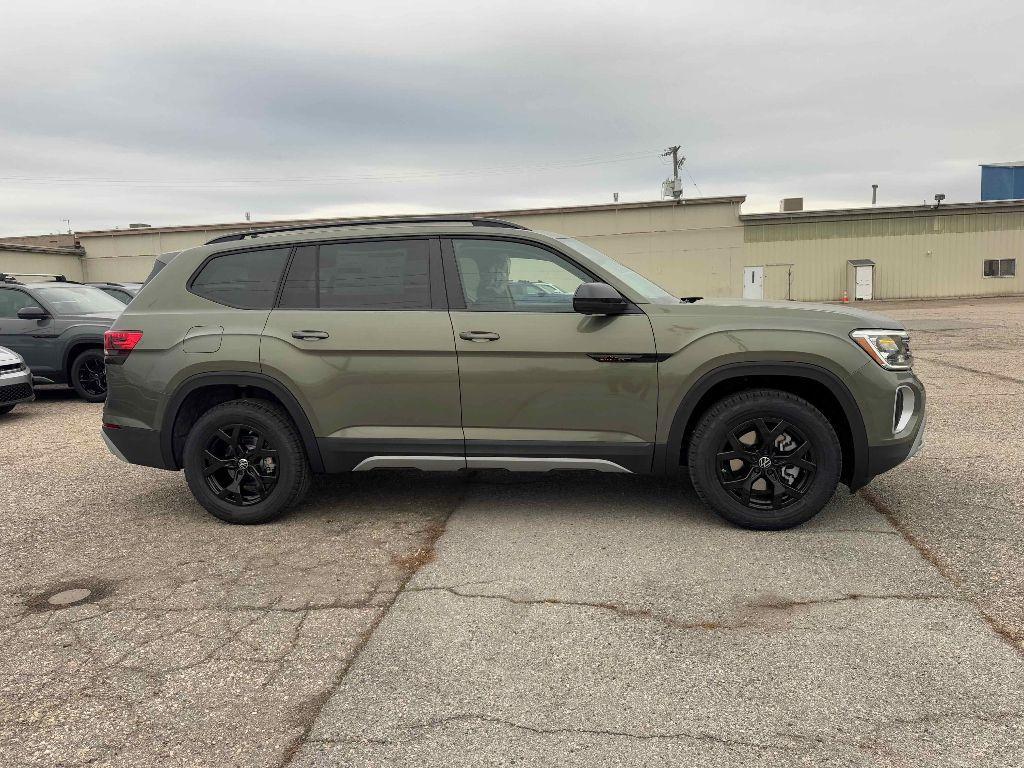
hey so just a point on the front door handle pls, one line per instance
(479, 336)
(310, 335)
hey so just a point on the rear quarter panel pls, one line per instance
(182, 335)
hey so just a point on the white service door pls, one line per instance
(753, 282)
(864, 275)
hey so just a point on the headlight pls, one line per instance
(890, 349)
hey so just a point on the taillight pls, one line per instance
(117, 345)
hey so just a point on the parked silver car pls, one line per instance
(15, 381)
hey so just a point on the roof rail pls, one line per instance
(476, 222)
(10, 277)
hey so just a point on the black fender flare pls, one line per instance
(70, 344)
(685, 412)
(239, 379)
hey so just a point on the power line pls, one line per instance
(213, 183)
(694, 182)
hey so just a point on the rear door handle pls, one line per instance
(479, 336)
(310, 335)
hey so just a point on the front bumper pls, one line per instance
(16, 387)
(882, 458)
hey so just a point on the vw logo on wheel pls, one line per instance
(764, 462)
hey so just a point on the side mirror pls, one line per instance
(598, 299)
(32, 313)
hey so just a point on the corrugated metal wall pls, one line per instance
(689, 249)
(916, 257)
(700, 248)
(14, 260)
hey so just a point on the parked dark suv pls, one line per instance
(57, 327)
(263, 357)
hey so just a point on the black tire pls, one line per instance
(738, 434)
(89, 377)
(253, 431)
(5, 409)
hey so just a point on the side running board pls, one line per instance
(512, 463)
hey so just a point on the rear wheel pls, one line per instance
(89, 376)
(765, 459)
(244, 462)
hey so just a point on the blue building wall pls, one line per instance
(1002, 182)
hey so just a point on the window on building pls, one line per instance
(386, 274)
(246, 279)
(1000, 267)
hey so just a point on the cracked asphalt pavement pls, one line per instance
(551, 620)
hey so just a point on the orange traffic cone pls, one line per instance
(846, 298)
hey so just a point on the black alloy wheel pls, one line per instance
(764, 459)
(89, 376)
(766, 463)
(245, 462)
(240, 464)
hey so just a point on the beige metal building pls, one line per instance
(699, 246)
(969, 249)
(27, 257)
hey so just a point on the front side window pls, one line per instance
(11, 301)
(653, 292)
(78, 300)
(382, 274)
(505, 276)
(245, 279)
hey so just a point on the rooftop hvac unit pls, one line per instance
(788, 204)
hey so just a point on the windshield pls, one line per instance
(654, 293)
(78, 300)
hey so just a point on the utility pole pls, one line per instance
(673, 186)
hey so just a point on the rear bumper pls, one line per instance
(135, 445)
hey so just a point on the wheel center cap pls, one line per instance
(243, 463)
(764, 462)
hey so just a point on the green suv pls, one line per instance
(261, 358)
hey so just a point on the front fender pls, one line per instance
(683, 368)
(690, 372)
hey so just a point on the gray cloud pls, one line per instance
(197, 112)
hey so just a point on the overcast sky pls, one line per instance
(188, 112)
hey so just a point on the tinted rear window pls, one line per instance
(247, 279)
(388, 274)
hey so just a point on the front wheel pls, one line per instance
(244, 462)
(765, 459)
(89, 376)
